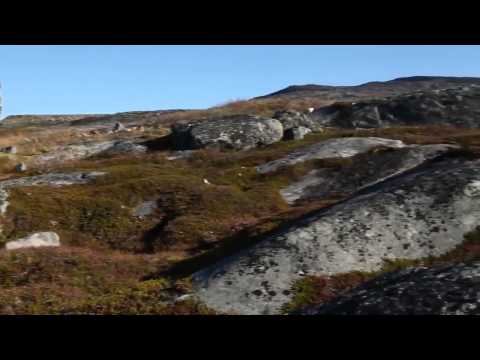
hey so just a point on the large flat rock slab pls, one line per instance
(423, 213)
(364, 171)
(333, 148)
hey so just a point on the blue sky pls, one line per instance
(105, 79)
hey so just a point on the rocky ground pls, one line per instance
(292, 203)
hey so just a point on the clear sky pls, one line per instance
(105, 79)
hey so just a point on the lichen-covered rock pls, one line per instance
(366, 170)
(52, 179)
(293, 119)
(73, 152)
(125, 147)
(41, 239)
(87, 149)
(333, 148)
(422, 213)
(445, 290)
(240, 132)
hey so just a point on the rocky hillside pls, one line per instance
(253, 207)
(376, 88)
(456, 107)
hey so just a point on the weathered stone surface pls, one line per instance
(455, 106)
(333, 148)
(445, 290)
(292, 119)
(423, 213)
(52, 179)
(74, 152)
(42, 239)
(239, 132)
(87, 149)
(296, 133)
(124, 147)
(365, 170)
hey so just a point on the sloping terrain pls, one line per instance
(223, 211)
(444, 290)
(455, 107)
(375, 89)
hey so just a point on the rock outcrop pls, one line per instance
(293, 119)
(445, 290)
(454, 107)
(333, 148)
(240, 132)
(422, 213)
(87, 149)
(296, 133)
(52, 179)
(41, 239)
(364, 170)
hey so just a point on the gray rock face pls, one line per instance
(296, 133)
(52, 179)
(446, 290)
(240, 132)
(456, 107)
(74, 152)
(293, 119)
(423, 213)
(87, 149)
(364, 171)
(42, 239)
(125, 147)
(333, 148)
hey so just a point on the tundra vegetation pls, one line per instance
(207, 206)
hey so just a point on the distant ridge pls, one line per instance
(375, 88)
